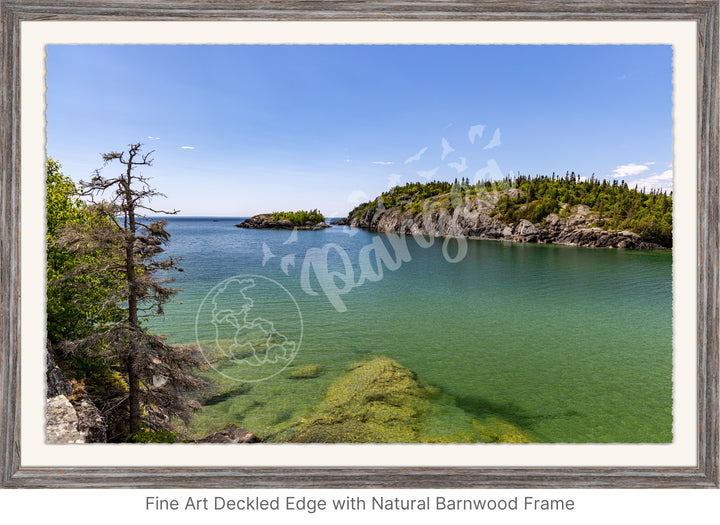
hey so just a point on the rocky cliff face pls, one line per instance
(71, 417)
(473, 219)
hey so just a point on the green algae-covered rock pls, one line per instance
(375, 402)
(306, 372)
(380, 401)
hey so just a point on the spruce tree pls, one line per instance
(157, 374)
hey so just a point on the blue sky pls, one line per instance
(246, 129)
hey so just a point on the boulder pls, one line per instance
(85, 424)
(526, 231)
(61, 421)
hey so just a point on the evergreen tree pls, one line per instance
(157, 374)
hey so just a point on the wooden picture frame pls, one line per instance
(704, 474)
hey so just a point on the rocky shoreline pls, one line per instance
(72, 417)
(264, 221)
(473, 219)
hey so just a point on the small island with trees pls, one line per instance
(286, 220)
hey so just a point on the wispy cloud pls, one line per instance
(394, 180)
(383, 162)
(357, 197)
(187, 147)
(495, 141)
(629, 170)
(153, 138)
(446, 148)
(428, 174)
(416, 156)
(656, 181)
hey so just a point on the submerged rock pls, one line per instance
(378, 401)
(230, 434)
(306, 372)
(381, 401)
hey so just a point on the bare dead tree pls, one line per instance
(157, 373)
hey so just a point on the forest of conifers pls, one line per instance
(615, 204)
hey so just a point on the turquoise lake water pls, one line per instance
(572, 345)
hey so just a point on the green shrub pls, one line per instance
(299, 217)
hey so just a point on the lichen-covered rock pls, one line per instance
(85, 424)
(61, 421)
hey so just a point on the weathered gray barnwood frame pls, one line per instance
(703, 12)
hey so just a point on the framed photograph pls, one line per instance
(364, 246)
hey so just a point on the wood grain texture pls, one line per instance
(705, 474)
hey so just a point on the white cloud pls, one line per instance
(656, 181)
(187, 147)
(629, 170)
(357, 197)
(416, 156)
(495, 141)
(348, 160)
(427, 174)
(153, 138)
(382, 162)
(649, 163)
(394, 180)
(446, 148)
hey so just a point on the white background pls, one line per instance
(124, 506)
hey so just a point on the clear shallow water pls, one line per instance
(569, 344)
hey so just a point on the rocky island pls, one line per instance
(545, 210)
(295, 220)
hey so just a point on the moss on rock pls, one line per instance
(375, 402)
(380, 401)
(306, 372)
